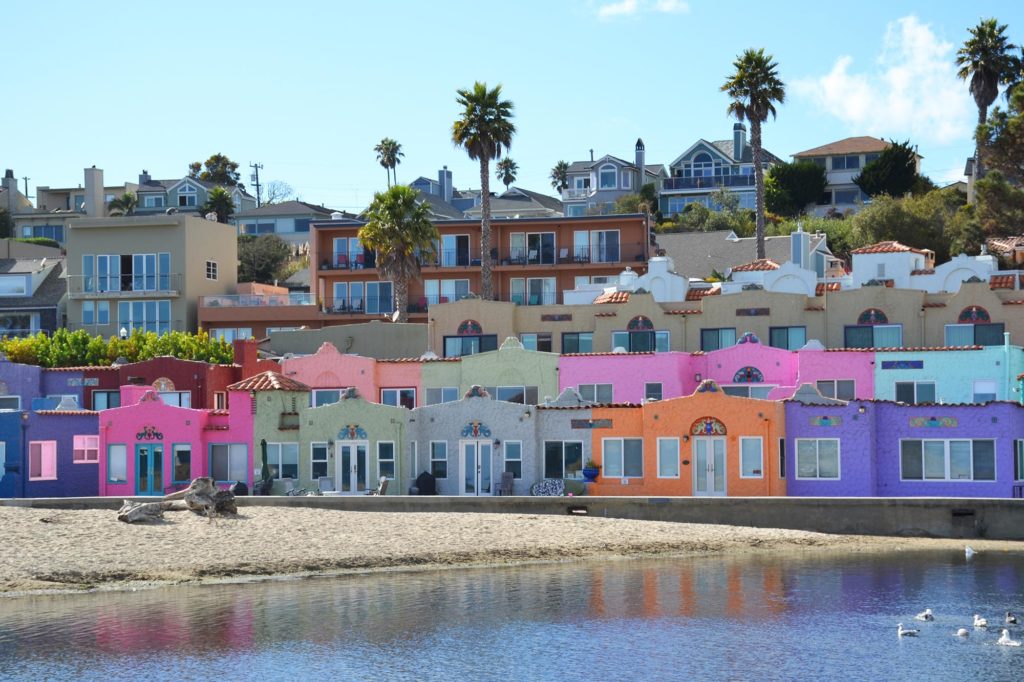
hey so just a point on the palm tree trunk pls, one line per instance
(486, 286)
(402, 298)
(755, 143)
(982, 115)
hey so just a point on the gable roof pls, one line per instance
(865, 144)
(48, 293)
(888, 247)
(758, 265)
(293, 207)
(726, 147)
(268, 381)
(696, 254)
(519, 199)
(441, 208)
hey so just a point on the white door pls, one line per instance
(476, 467)
(708, 466)
(352, 466)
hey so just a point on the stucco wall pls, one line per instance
(857, 448)
(953, 372)
(628, 373)
(73, 479)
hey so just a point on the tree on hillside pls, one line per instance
(506, 170)
(999, 206)
(123, 205)
(918, 221)
(399, 229)
(791, 187)
(645, 201)
(219, 201)
(484, 130)
(6, 224)
(894, 172)
(754, 88)
(985, 61)
(278, 192)
(560, 176)
(1001, 138)
(389, 155)
(217, 169)
(262, 258)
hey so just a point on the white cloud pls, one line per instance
(913, 91)
(628, 8)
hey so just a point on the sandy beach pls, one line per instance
(47, 550)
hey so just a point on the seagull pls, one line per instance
(1005, 640)
(980, 622)
(905, 633)
(969, 552)
(962, 632)
(1011, 619)
(925, 615)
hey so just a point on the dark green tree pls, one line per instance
(6, 224)
(560, 176)
(791, 187)
(261, 258)
(123, 205)
(219, 201)
(389, 153)
(217, 169)
(1001, 138)
(894, 172)
(999, 206)
(985, 61)
(506, 170)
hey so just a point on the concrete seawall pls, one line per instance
(996, 519)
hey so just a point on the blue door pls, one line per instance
(149, 469)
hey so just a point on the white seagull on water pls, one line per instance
(962, 632)
(900, 632)
(1005, 640)
(925, 615)
(969, 551)
(980, 622)
(1011, 619)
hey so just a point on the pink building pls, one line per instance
(151, 448)
(328, 372)
(626, 377)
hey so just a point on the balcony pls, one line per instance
(576, 193)
(579, 255)
(256, 300)
(350, 261)
(536, 298)
(125, 286)
(709, 182)
(451, 258)
(423, 303)
(366, 305)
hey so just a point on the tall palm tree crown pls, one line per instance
(484, 130)
(124, 204)
(560, 176)
(398, 228)
(755, 88)
(985, 59)
(388, 156)
(506, 171)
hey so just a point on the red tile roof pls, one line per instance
(605, 314)
(587, 355)
(1003, 281)
(925, 271)
(51, 413)
(886, 247)
(759, 265)
(850, 145)
(613, 297)
(697, 294)
(684, 312)
(1014, 302)
(1004, 245)
(268, 381)
(822, 287)
(455, 359)
(911, 349)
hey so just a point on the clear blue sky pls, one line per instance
(308, 88)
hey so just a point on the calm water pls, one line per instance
(738, 618)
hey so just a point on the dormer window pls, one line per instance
(607, 177)
(187, 196)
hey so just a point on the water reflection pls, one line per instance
(779, 616)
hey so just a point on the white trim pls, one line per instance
(946, 455)
(760, 440)
(817, 460)
(678, 458)
(431, 459)
(326, 460)
(622, 444)
(505, 459)
(393, 460)
(712, 148)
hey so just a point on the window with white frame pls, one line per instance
(211, 269)
(748, 391)
(597, 393)
(386, 459)
(152, 201)
(187, 196)
(643, 341)
(843, 389)
(789, 338)
(117, 463)
(318, 460)
(146, 316)
(984, 391)
(817, 458)
(283, 459)
(623, 457)
(915, 392)
(444, 394)
(229, 461)
(717, 338)
(751, 457)
(86, 449)
(220, 400)
(42, 460)
(439, 459)
(668, 458)
(176, 398)
(1018, 460)
(974, 334)
(10, 402)
(948, 460)
(606, 177)
(563, 459)
(181, 461)
(398, 397)
(326, 396)
(539, 341)
(523, 395)
(514, 457)
(652, 391)
(231, 334)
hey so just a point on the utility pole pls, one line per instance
(26, 179)
(256, 181)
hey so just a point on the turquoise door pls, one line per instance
(149, 469)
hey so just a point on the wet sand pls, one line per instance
(51, 550)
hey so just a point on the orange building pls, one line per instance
(708, 443)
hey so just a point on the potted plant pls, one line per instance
(591, 469)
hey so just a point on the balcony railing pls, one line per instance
(124, 286)
(256, 300)
(17, 333)
(350, 261)
(575, 193)
(450, 258)
(367, 305)
(564, 255)
(423, 303)
(548, 298)
(709, 182)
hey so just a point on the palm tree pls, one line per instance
(755, 87)
(218, 201)
(123, 205)
(398, 228)
(986, 60)
(484, 130)
(388, 153)
(506, 170)
(560, 176)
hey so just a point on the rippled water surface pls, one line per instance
(782, 617)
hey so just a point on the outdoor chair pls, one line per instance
(505, 486)
(343, 261)
(381, 489)
(563, 255)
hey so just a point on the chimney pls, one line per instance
(144, 177)
(739, 140)
(11, 191)
(800, 248)
(95, 206)
(246, 355)
(591, 154)
(640, 160)
(444, 179)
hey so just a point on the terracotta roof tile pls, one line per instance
(605, 314)
(910, 349)
(455, 359)
(1004, 245)
(815, 308)
(1014, 302)
(1003, 281)
(924, 271)
(588, 355)
(850, 145)
(698, 294)
(886, 247)
(822, 287)
(934, 305)
(612, 297)
(268, 381)
(692, 311)
(51, 413)
(759, 265)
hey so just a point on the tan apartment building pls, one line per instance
(146, 272)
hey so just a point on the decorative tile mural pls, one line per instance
(708, 426)
(902, 364)
(934, 422)
(827, 421)
(352, 432)
(476, 429)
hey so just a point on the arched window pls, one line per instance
(640, 323)
(748, 375)
(973, 314)
(872, 316)
(470, 328)
(607, 177)
(707, 426)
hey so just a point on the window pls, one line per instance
(789, 338)
(817, 458)
(868, 158)
(283, 459)
(716, 339)
(748, 391)
(42, 460)
(974, 334)
(187, 196)
(54, 232)
(88, 312)
(575, 210)
(176, 398)
(751, 457)
(596, 246)
(984, 391)
(439, 459)
(652, 391)
(147, 316)
(398, 397)
(623, 457)
(540, 342)
(220, 400)
(577, 342)
(514, 458)
(444, 290)
(318, 460)
(326, 396)
(86, 450)
(606, 177)
(848, 196)
(843, 389)
(668, 458)
(181, 461)
(641, 341)
(874, 336)
(229, 462)
(819, 162)
(845, 162)
(563, 459)
(151, 201)
(457, 346)
(915, 392)
(782, 458)
(523, 395)
(10, 402)
(102, 312)
(211, 269)
(445, 394)
(231, 334)
(596, 393)
(117, 464)
(379, 298)
(386, 459)
(1018, 460)
(948, 460)
(533, 291)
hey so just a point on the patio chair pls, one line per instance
(505, 486)
(381, 489)
(343, 261)
(563, 255)
(360, 261)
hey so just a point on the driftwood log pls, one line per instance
(137, 512)
(203, 497)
